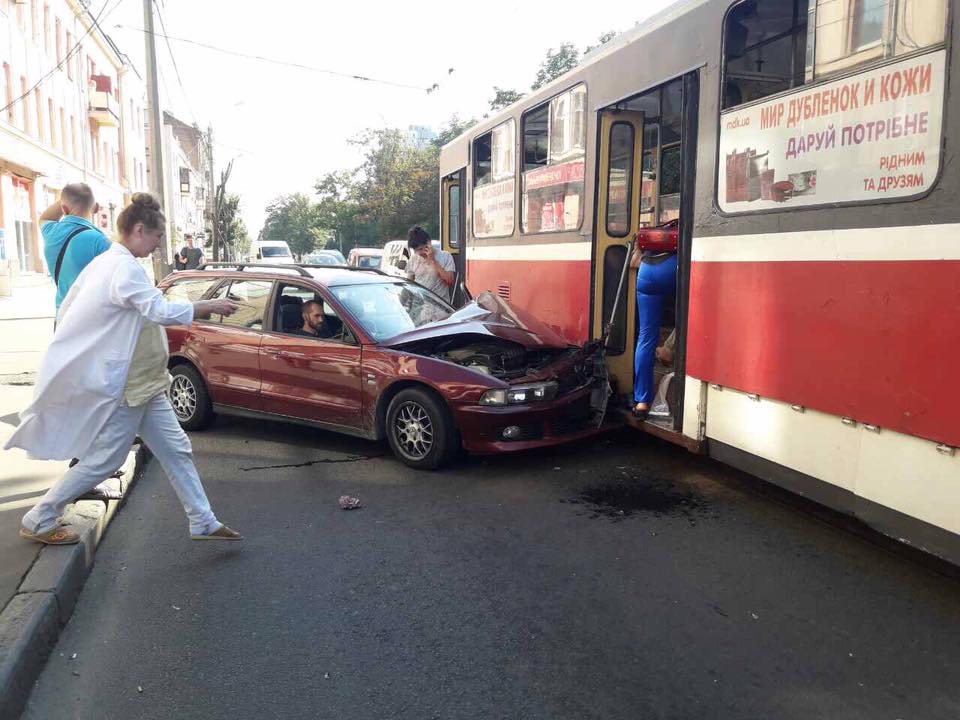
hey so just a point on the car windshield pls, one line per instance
(369, 261)
(388, 309)
(322, 260)
(275, 251)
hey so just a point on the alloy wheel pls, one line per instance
(413, 430)
(183, 398)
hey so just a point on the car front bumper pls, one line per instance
(562, 420)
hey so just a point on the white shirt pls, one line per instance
(82, 376)
(424, 273)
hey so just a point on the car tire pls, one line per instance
(189, 398)
(420, 429)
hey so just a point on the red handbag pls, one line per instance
(662, 238)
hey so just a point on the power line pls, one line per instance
(286, 63)
(175, 67)
(69, 56)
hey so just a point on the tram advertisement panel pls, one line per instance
(870, 136)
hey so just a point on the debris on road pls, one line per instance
(349, 503)
(139, 689)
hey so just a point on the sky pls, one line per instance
(286, 127)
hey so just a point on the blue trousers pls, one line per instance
(655, 284)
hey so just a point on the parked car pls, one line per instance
(365, 258)
(325, 257)
(396, 363)
(275, 252)
(396, 257)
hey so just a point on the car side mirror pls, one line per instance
(401, 265)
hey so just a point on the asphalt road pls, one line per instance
(615, 579)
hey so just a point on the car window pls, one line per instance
(189, 291)
(274, 251)
(388, 309)
(290, 317)
(252, 296)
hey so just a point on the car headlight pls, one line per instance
(520, 394)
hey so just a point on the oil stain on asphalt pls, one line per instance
(617, 500)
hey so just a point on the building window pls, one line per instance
(38, 101)
(69, 47)
(554, 139)
(185, 181)
(35, 21)
(8, 88)
(52, 122)
(59, 40)
(73, 138)
(494, 181)
(63, 131)
(46, 29)
(24, 104)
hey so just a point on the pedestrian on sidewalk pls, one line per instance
(104, 378)
(70, 239)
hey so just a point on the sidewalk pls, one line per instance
(38, 584)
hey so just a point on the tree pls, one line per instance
(231, 229)
(292, 219)
(602, 40)
(502, 98)
(453, 129)
(556, 64)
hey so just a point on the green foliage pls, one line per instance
(556, 64)
(231, 228)
(293, 219)
(452, 130)
(602, 40)
(502, 98)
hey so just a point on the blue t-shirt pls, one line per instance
(84, 247)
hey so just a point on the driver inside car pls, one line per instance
(316, 323)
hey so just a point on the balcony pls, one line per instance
(104, 109)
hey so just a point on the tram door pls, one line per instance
(618, 220)
(452, 229)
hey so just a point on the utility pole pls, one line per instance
(161, 262)
(214, 199)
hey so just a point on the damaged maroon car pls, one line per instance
(379, 357)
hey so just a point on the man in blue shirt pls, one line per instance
(70, 219)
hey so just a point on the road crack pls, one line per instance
(308, 463)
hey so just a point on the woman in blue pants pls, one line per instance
(656, 282)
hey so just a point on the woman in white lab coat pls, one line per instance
(103, 382)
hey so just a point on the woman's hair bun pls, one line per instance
(146, 200)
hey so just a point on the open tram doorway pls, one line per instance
(452, 229)
(645, 190)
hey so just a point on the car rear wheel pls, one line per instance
(420, 430)
(190, 399)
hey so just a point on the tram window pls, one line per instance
(670, 170)
(860, 31)
(494, 182)
(672, 115)
(554, 138)
(453, 215)
(764, 48)
(535, 137)
(619, 179)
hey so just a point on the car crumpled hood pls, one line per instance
(487, 315)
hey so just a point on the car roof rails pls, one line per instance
(240, 267)
(351, 268)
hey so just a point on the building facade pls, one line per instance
(73, 111)
(186, 181)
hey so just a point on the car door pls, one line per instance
(310, 378)
(228, 347)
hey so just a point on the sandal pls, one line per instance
(221, 533)
(640, 412)
(57, 536)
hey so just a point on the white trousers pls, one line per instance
(156, 424)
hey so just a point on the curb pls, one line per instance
(30, 624)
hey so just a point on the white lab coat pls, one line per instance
(83, 374)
